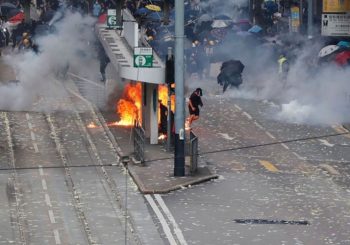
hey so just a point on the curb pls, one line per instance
(145, 190)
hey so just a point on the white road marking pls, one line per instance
(247, 115)
(285, 146)
(258, 125)
(330, 169)
(32, 135)
(325, 142)
(30, 126)
(41, 171)
(298, 156)
(52, 217)
(57, 236)
(47, 200)
(43, 183)
(239, 108)
(162, 221)
(226, 136)
(36, 149)
(27, 116)
(167, 212)
(270, 135)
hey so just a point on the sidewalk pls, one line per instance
(156, 176)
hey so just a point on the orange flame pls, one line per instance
(129, 107)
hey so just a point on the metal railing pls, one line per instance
(139, 142)
(193, 151)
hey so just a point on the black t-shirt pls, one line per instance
(196, 100)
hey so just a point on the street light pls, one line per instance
(125, 161)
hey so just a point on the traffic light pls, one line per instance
(170, 69)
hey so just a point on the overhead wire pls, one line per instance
(199, 154)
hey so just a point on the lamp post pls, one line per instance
(125, 160)
(179, 154)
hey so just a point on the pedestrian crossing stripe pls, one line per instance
(269, 166)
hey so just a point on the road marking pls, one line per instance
(36, 149)
(298, 156)
(258, 125)
(162, 221)
(32, 135)
(41, 171)
(247, 115)
(30, 126)
(325, 142)
(43, 183)
(285, 146)
(225, 136)
(167, 212)
(57, 236)
(269, 166)
(27, 116)
(47, 200)
(330, 169)
(239, 108)
(52, 217)
(270, 135)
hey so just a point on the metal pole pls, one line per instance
(309, 18)
(170, 56)
(169, 119)
(179, 153)
(119, 6)
(126, 203)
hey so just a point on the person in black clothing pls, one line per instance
(193, 106)
(104, 60)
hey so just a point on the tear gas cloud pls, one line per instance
(69, 45)
(315, 95)
(310, 95)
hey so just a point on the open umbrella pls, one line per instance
(343, 58)
(153, 7)
(327, 50)
(255, 29)
(102, 19)
(204, 18)
(8, 10)
(219, 24)
(17, 18)
(154, 16)
(344, 44)
(222, 17)
(142, 11)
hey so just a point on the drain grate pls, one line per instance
(271, 222)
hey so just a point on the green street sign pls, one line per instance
(143, 57)
(112, 18)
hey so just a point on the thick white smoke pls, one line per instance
(316, 95)
(69, 46)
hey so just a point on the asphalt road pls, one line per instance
(269, 192)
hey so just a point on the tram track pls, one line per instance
(13, 189)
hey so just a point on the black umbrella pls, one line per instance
(232, 67)
(8, 10)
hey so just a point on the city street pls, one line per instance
(295, 192)
(91, 91)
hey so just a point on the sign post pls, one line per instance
(143, 57)
(336, 25)
(112, 22)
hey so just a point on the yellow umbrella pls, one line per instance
(153, 7)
